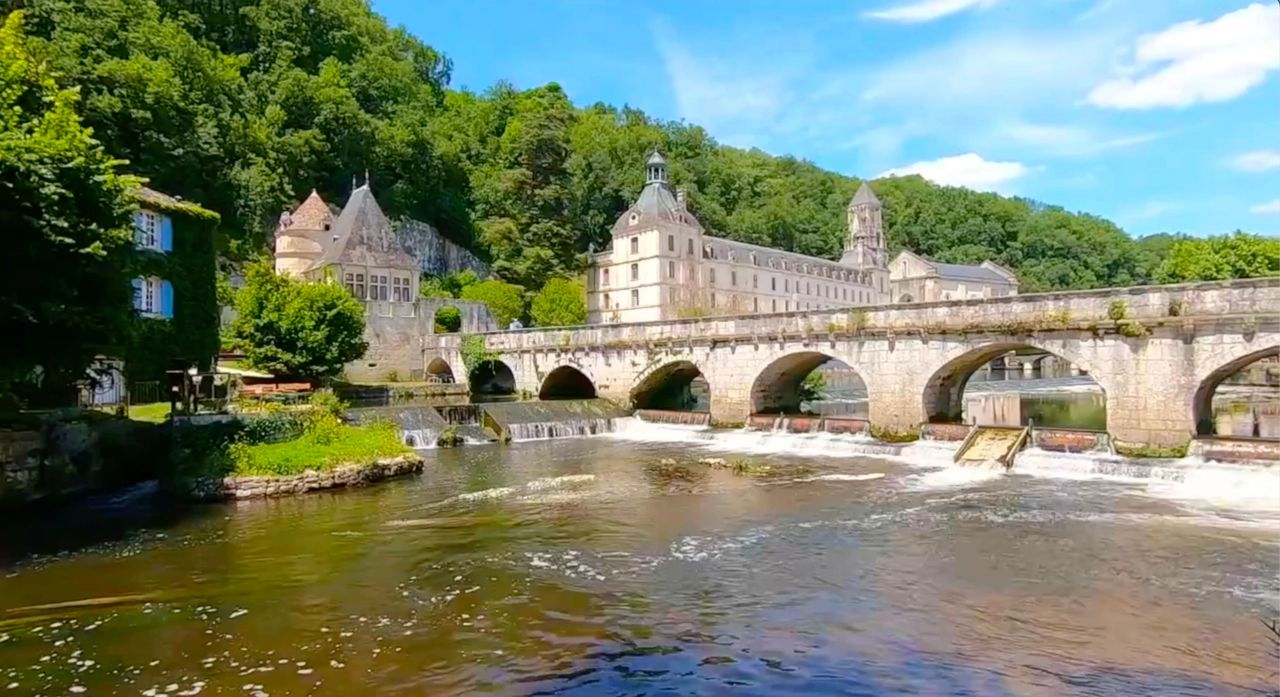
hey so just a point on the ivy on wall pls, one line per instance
(190, 337)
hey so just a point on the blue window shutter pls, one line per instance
(166, 299)
(137, 293)
(166, 233)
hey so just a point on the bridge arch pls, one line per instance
(492, 378)
(439, 370)
(777, 389)
(1202, 401)
(567, 382)
(677, 385)
(944, 392)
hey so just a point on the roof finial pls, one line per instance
(353, 182)
(366, 177)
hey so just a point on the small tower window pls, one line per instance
(671, 269)
(671, 243)
(635, 298)
(633, 219)
(635, 245)
(635, 272)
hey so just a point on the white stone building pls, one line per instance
(662, 265)
(917, 279)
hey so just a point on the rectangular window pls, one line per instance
(787, 282)
(733, 278)
(604, 277)
(713, 300)
(349, 281)
(690, 247)
(146, 231)
(360, 286)
(606, 302)
(671, 243)
(773, 284)
(671, 269)
(395, 289)
(775, 304)
(711, 276)
(635, 272)
(635, 298)
(635, 245)
(755, 304)
(378, 287)
(755, 281)
(788, 306)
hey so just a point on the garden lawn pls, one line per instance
(359, 445)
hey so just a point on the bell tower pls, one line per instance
(864, 247)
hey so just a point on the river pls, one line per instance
(587, 566)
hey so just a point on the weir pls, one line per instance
(992, 444)
(561, 418)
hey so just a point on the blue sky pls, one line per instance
(1162, 115)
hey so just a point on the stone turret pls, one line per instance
(301, 236)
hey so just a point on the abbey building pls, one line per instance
(662, 265)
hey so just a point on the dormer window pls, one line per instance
(633, 218)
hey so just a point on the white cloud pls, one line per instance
(1271, 207)
(1256, 161)
(1071, 141)
(1193, 62)
(928, 10)
(970, 170)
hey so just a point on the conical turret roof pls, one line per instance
(864, 197)
(312, 214)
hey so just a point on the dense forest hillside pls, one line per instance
(245, 105)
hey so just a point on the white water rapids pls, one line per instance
(1244, 488)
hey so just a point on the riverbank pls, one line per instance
(341, 476)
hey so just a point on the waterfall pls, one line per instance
(666, 416)
(542, 430)
(566, 418)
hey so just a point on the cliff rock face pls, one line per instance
(437, 255)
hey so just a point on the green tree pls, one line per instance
(505, 300)
(560, 303)
(297, 329)
(813, 387)
(1238, 255)
(448, 319)
(64, 286)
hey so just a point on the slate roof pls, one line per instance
(362, 235)
(656, 159)
(965, 272)
(864, 196)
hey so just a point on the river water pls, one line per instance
(589, 566)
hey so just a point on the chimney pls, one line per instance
(682, 199)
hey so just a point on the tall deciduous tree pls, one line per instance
(65, 217)
(560, 303)
(505, 300)
(1239, 255)
(297, 329)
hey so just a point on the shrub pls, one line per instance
(1134, 330)
(560, 303)
(505, 300)
(1117, 310)
(328, 402)
(1177, 308)
(448, 320)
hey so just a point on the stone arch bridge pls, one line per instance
(1158, 363)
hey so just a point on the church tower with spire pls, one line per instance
(864, 247)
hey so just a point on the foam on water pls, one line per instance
(1191, 481)
(553, 482)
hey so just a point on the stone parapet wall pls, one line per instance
(338, 477)
(1085, 309)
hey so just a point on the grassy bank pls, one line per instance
(318, 450)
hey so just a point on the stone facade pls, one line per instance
(360, 249)
(662, 265)
(1158, 367)
(916, 279)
